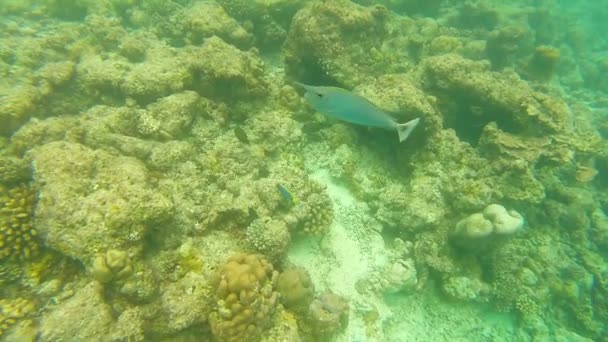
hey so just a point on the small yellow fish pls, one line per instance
(287, 195)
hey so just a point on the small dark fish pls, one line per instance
(287, 195)
(241, 135)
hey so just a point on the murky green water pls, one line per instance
(164, 175)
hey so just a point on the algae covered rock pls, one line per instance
(228, 73)
(268, 19)
(333, 39)
(112, 207)
(296, 289)
(328, 314)
(399, 95)
(207, 19)
(83, 317)
(504, 97)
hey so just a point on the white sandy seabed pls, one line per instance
(351, 251)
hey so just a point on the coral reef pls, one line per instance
(142, 143)
(268, 20)
(94, 316)
(124, 202)
(296, 289)
(328, 314)
(245, 298)
(332, 40)
(476, 231)
(269, 237)
(11, 311)
(113, 265)
(18, 237)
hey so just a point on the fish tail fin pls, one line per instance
(405, 129)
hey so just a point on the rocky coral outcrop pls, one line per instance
(112, 207)
(331, 40)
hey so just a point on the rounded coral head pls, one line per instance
(504, 222)
(474, 226)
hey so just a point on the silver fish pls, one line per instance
(343, 105)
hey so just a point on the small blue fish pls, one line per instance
(343, 105)
(287, 195)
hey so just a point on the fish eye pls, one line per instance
(319, 95)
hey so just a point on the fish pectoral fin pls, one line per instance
(405, 129)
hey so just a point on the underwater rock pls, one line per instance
(505, 44)
(83, 317)
(170, 117)
(465, 289)
(296, 289)
(268, 20)
(543, 63)
(399, 95)
(424, 206)
(206, 19)
(503, 96)
(16, 107)
(328, 314)
(129, 326)
(229, 74)
(186, 302)
(116, 198)
(400, 276)
(333, 39)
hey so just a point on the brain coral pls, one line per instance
(246, 299)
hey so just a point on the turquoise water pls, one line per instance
(163, 177)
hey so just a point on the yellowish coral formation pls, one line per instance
(114, 264)
(543, 62)
(296, 289)
(12, 311)
(18, 237)
(317, 216)
(246, 298)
